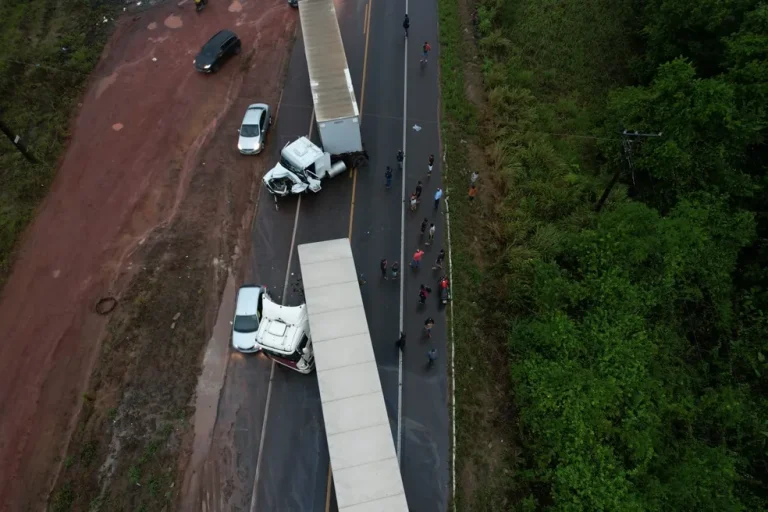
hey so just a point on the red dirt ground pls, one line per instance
(135, 144)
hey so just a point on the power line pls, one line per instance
(627, 139)
(45, 66)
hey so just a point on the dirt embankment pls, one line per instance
(151, 193)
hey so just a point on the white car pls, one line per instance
(248, 314)
(253, 130)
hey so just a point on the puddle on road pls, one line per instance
(152, 26)
(104, 83)
(235, 6)
(212, 378)
(173, 21)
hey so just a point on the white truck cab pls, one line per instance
(301, 167)
(284, 335)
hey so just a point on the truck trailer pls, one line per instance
(336, 110)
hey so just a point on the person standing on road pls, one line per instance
(395, 270)
(472, 192)
(400, 158)
(424, 293)
(431, 356)
(388, 176)
(416, 263)
(400, 343)
(473, 177)
(425, 49)
(414, 201)
(438, 195)
(424, 226)
(439, 260)
(428, 324)
(418, 191)
(406, 24)
(431, 238)
(431, 163)
(383, 266)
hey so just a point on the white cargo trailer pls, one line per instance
(336, 111)
(366, 472)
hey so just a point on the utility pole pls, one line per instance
(17, 141)
(627, 138)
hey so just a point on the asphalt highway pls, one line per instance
(278, 459)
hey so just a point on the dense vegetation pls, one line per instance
(637, 337)
(47, 50)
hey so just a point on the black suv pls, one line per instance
(221, 46)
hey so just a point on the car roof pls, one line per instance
(220, 36)
(253, 112)
(248, 300)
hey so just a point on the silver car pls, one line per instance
(248, 311)
(253, 130)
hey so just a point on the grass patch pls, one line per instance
(47, 50)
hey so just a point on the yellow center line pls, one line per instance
(367, 31)
(352, 206)
(311, 124)
(328, 490)
(353, 175)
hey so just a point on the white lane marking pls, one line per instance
(453, 354)
(403, 266)
(272, 368)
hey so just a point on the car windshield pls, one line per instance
(246, 323)
(249, 130)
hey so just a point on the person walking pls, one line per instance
(406, 24)
(388, 176)
(400, 343)
(383, 267)
(439, 260)
(428, 324)
(473, 177)
(416, 262)
(438, 195)
(472, 192)
(424, 226)
(431, 357)
(429, 166)
(400, 158)
(414, 201)
(418, 191)
(395, 270)
(425, 49)
(431, 237)
(424, 292)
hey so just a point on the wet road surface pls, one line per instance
(283, 421)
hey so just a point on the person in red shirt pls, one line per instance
(416, 262)
(425, 50)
